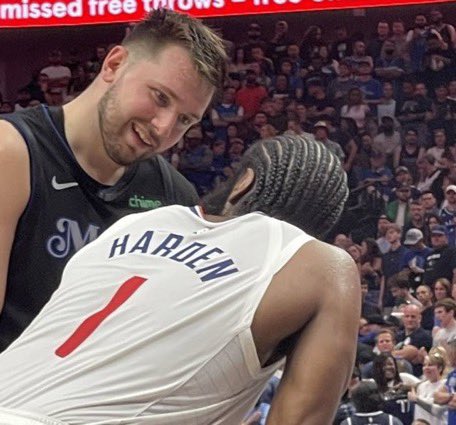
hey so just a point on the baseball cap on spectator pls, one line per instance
(321, 124)
(401, 169)
(413, 236)
(438, 229)
(236, 140)
(450, 188)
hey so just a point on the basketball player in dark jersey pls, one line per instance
(68, 173)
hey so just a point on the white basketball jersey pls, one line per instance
(151, 323)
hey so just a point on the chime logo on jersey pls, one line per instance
(70, 237)
(208, 262)
(140, 202)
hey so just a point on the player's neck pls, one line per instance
(84, 137)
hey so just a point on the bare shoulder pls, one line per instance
(14, 165)
(322, 267)
(318, 277)
(12, 144)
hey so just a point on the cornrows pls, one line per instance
(297, 179)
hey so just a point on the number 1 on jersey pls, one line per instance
(89, 325)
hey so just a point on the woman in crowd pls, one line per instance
(423, 394)
(439, 144)
(442, 289)
(394, 387)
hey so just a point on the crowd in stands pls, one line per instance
(386, 106)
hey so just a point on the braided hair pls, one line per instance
(297, 179)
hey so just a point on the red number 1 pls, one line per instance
(89, 325)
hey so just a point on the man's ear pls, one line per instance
(243, 184)
(116, 57)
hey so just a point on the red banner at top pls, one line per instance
(32, 13)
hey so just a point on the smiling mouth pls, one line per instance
(143, 135)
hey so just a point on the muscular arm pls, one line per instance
(14, 172)
(319, 368)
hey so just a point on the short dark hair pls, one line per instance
(163, 27)
(297, 179)
(366, 397)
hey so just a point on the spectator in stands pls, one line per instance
(387, 104)
(445, 312)
(319, 106)
(424, 296)
(258, 56)
(398, 211)
(368, 308)
(439, 144)
(261, 78)
(339, 87)
(235, 150)
(416, 211)
(59, 75)
(390, 66)
(275, 111)
(220, 162)
(367, 400)
(393, 259)
(385, 342)
(359, 55)
(250, 95)
(295, 86)
(448, 214)
(429, 202)
(415, 260)
(431, 177)
(411, 111)
(389, 139)
(394, 386)
(267, 131)
(226, 112)
(376, 44)
(442, 289)
(445, 30)
(196, 159)
(316, 71)
(238, 64)
(294, 55)
(416, 41)
(413, 338)
(371, 268)
(321, 133)
(346, 136)
(445, 395)
(254, 38)
(356, 108)
(341, 48)
(423, 394)
(281, 88)
(371, 87)
(278, 44)
(330, 66)
(438, 62)
(311, 43)
(442, 108)
(399, 287)
(442, 261)
(398, 37)
(382, 227)
(301, 112)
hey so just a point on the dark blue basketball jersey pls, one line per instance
(68, 209)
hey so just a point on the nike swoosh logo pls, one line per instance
(62, 186)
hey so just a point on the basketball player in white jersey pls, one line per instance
(177, 317)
